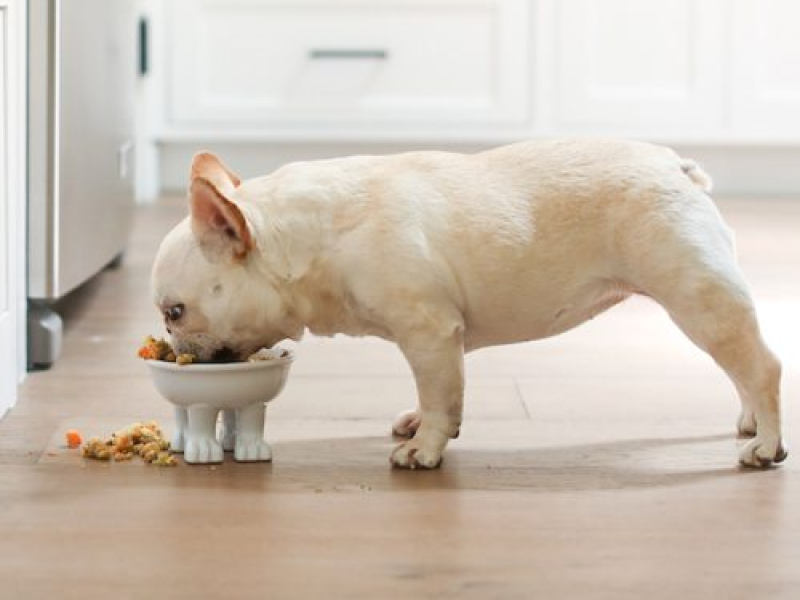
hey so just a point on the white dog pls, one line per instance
(445, 253)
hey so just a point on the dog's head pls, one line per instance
(217, 296)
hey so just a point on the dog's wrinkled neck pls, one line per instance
(297, 243)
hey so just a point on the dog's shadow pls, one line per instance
(361, 463)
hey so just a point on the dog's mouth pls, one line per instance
(208, 350)
(226, 354)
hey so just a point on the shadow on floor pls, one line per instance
(624, 464)
(360, 464)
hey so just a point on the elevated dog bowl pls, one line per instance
(223, 386)
(200, 391)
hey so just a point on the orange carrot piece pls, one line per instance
(74, 439)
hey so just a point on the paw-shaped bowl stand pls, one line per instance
(240, 390)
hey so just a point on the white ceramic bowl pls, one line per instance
(224, 386)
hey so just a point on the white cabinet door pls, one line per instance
(631, 66)
(11, 200)
(766, 68)
(253, 65)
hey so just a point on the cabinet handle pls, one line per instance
(144, 46)
(347, 54)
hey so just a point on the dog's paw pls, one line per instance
(761, 452)
(251, 449)
(416, 454)
(202, 451)
(406, 424)
(746, 424)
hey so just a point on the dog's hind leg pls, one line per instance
(702, 289)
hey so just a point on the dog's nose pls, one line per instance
(223, 355)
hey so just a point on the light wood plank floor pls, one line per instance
(599, 464)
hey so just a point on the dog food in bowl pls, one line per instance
(160, 349)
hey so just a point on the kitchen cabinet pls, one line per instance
(643, 66)
(332, 69)
(329, 77)
(765, 75)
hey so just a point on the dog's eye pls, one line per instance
(174, 312)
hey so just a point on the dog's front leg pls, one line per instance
(437, 362)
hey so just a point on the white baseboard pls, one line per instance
(736, 170)
(751, 171)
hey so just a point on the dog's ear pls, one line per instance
(217, 220)
(208, 166)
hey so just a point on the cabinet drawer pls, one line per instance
(765, 68)
(270, 63)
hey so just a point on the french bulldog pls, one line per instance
(444, 253)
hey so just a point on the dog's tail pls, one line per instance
(699, 177)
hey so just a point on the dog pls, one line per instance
(444, 253)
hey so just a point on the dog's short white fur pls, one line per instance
(444, 253)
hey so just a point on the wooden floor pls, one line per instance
(599, 464)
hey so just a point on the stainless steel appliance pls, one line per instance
(81, 104)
